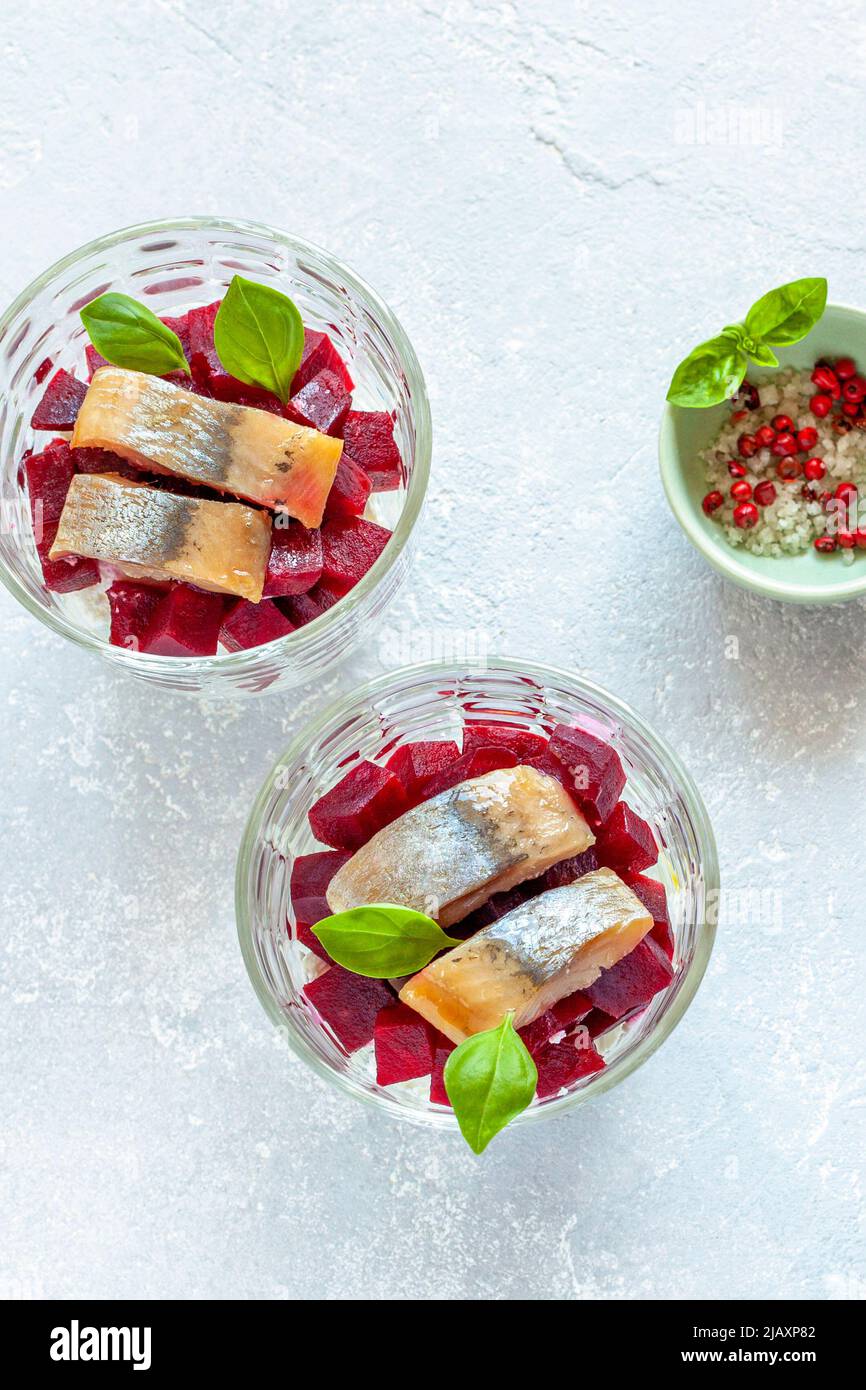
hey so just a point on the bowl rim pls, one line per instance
(722, 557)
(293, 642)
(342, 708)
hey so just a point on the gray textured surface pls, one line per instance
(536, 193)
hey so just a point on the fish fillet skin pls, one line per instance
(148, 534)
(233, 448)
(540, 952)
(448, 855)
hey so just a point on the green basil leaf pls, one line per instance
(130, 335)
(763, 356)
(382, 940)
(710, 374)
(489, 1078)
(785, 315)
(259, 336)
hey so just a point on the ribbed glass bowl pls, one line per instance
(174, 266)
(431, 702)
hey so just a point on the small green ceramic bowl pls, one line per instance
(807, 578)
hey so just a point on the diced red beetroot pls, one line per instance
(59, 407)
(303, 608)
(474, 764)
(595, 768)
(248, 625)
(652, 895)
(186, 622)
(633, 981)
(132, 607)
(366, 799)
(349, 548)
(295, 562)
(442, 1049)
(181, 326)
(319, 355)
(537, 1034)
(404, 1045)
(416, 763)
(368, 437)
(349, 1004)
(95, 360)
(498, 905)
(597, 1022)
(561, 1064)
(208, 373)
(42, 370)
(322, 404)
(522, 743)
(625, 842)
(311, 874)
(349, 491)
(102, 461)
(49, 476)
(567, 870)
(573, 1009)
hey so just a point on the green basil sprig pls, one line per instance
(130, 335)
(489, 1078)
(382, 940)
(259, 336)
(715, 369)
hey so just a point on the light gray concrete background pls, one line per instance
(558, 201)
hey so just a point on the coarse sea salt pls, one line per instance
(790, 524)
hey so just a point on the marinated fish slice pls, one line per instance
(148, 534)
(233, 448)
(541, 952)
(446, 856)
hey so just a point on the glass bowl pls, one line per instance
(174, 266)
(430, 702)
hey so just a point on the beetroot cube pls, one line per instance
(295, 562)
(311, 874)
(248, 625)
(568, 870)
(474, 764)
(597, 1022)
(59, 407)
(95, 360)
(102, 461)
(349, 1004)
(368, 436)
(42, 370)
(319, 355)
(416, 763)
(595, 769)
(633, 981)
(404, 1045)
(652, 895)
(181, 326)
(132, 608)
(498, 905)
(303, 608)
(561, 1064)
(537, 1034)
(349, 548)
(349, 492)
(625, 842)
(366, 799)
(208, 372)
(442, 1049)
(186, 622)
(49, 476)
(573, 1009)
(522, 743)
(322, 404)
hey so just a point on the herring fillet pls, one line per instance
(448, 855)
(232, 448)
(542, 951)
(149, 534)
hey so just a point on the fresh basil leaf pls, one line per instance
(259, 336)
(130, 335)
(490, 1078)
(763, 356)
(382, 940)
(710, 374)
(786, 314)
